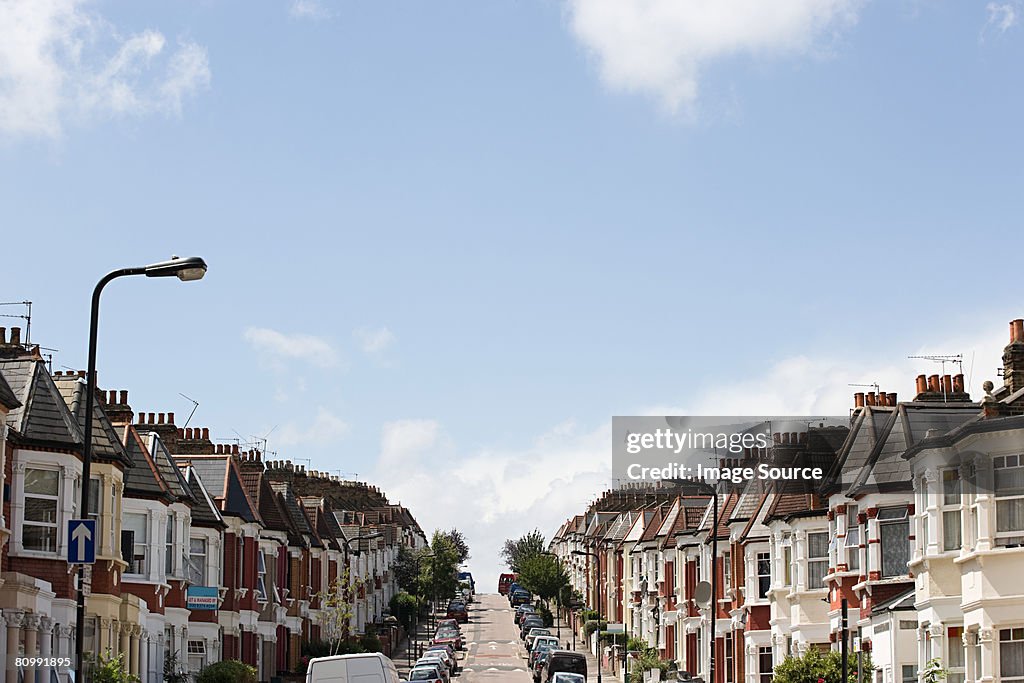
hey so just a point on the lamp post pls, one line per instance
(186, 270)
(597, 562)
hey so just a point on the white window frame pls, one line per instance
(139, 546)
(170, 536)
(57, 505)
(897, 516)
(758, 575)
(765, 676)
(813, 576)
(202, 570)
(1011, 537)
(852, 541)
(950, 508)
(196, 652)
(261, 576)
(955, 643)
(1013, 635)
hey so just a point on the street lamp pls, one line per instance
(597, 561)
(186, 270)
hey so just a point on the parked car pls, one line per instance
(546, 643)
(437, 663)
(537, 670)
(567, 677)
(442, 652)
(366, 667)
(444, 647)
(458, 612)
(533, 633)
(563, 660)
(529, 621)
(448, 637)
(521, 597)
(425, 674)
(522, 610)
(504, 581)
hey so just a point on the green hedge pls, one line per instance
(228, 671)
(593, 625)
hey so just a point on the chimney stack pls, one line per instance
(933, 384)
(15, 336)
(892, 399)
(858, 399)
(1013, 357)
(958, 384)
(871, 398)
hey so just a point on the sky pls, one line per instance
(448, 241)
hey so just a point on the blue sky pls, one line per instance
(447, 241)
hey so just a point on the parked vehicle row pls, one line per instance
(546, 660)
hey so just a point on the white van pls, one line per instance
(369, 667)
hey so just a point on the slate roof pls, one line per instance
(107, 444)
(618, 529)
(204, 509)
(293, 509)
(726, 502)
(43, 417)
(7, 397)
(221, 477)
(142, 480)
(886, 469)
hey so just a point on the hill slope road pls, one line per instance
(494, 652)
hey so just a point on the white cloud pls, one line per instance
(325, 429)
(60, 61)
(308, 9)
(374, 340)
(1002, 16)
(660, 47)
(278, 345)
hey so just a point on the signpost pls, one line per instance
(81, 541)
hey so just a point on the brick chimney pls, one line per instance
(162, 424)
(194, 441)
(1013, 357)
(115, 403)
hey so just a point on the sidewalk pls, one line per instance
(402, 657)
(581, 646)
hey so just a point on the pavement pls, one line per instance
(494, 653)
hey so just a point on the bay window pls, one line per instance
(134, 543)
(169, 544)
(261, 577)
(1011, 654)
(956, 657)
(817, 559)
(764, 574)
(951, 498)
(1008, 475)
(42, 497)
(894, 534)
(852, 544)
(197, 561)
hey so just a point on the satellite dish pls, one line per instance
(702, 595)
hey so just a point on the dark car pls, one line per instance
(528, 622)
(564, 660)
(521, 612)
(537, 668)
(521, 597)
(458, 612)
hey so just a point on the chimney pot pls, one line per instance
(933, 384)
(1018, 327)
(3, 335)
(892, 399)
(947, 384)
(170, 418)
(922, 384)
(206, 433)
(124, 397)
(15, 335)
(181, 433)
(152, 418)
(858, 399)
(958, 384)
(160, 418)
(111, 397)
(81, 373)
(871, 398)
(234, 449)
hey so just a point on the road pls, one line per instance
(494, 653)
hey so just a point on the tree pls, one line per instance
(438, 570)
(404, 608)
(514, 552)
(459, 543)
(408, 565)
(543, 575)
(337, 609)
(814, 665)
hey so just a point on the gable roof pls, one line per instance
(142, 479)
(293, 509)
(43, 417)
(223, 480)
(7, 397)
(204, 509)
(107, 444)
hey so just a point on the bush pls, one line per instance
(370, 643)
(609, 638)
(545, 614)
(228, 671)
(814, 665)
(588, 615)
(111, 670)
(593, 625)
(403, 607)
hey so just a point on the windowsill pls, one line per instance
(992, 552)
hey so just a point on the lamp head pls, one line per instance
(185, 269)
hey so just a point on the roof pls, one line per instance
(204, 509)
(107, 444)
(142, 480)
(886, 469)
(221, 477)
(901, 602)
(7, 397)
(43, 417)
(866, 429)
(293, 509)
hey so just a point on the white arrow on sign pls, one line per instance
(81, 536)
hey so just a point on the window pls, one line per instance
(261, 582)
(113, 514)
(1008, 473)
(196, 655)
(951, 537)
(764, 665)
(852, 539)
(728, 657)
(894, 532)
(726, 569)
(955, 655)
(197, 561)
(909, 673)
(1011, 654)
(764, 574)
(169, 543)
(817, 559)
(133, 540)
(42, 489)
(787, 565)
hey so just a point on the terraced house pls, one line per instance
(204, 551)
(918, 527)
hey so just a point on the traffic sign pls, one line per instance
(81, 541)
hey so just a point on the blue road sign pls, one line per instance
(81, 541)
